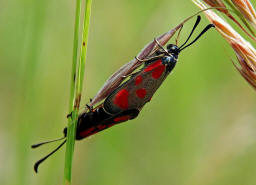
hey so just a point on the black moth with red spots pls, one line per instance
(126, 101)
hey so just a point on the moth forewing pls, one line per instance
(117, 78)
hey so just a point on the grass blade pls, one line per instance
(77, 77)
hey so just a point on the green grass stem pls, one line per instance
(77, 77)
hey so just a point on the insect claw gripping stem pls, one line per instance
(89, 107)
(69, 115)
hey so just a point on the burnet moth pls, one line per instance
(127, 91)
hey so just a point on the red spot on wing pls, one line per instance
(87, 132)
(93, 130)
(122, 118)
(141, 93)
(138, 80)
(153, 65)
(101, 127)
(121, 99)
(157, 72)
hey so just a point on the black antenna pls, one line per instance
(204, 30)
(194, 27)
(45, 142)
(44, 158)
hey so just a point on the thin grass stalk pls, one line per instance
(70, 146)
(81, 67)
(77, 78)
(75, 54)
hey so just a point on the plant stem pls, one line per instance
(77, 78)
(75, 53)
(70, 137)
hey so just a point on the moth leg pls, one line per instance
(148, 59)
(89, 107)
(158, 43)
(69, 115)
(177, 38)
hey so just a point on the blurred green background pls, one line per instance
(199, 128)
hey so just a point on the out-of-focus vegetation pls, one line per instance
(245, 52)
(198, 129)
